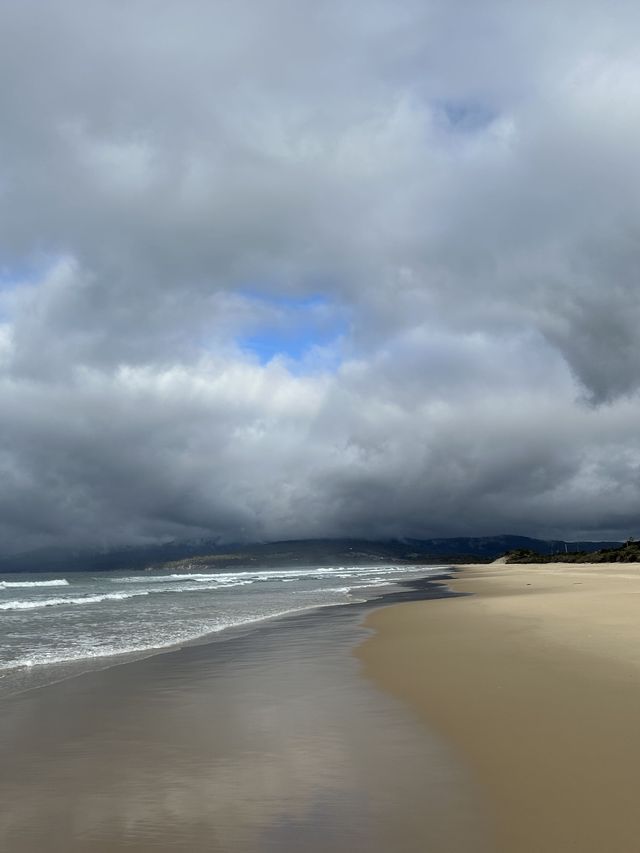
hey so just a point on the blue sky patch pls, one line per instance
(295, 326)
(14, 273)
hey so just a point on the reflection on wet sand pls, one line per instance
(272, 741)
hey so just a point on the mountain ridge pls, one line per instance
(291, 552)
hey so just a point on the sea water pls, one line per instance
(51, 625)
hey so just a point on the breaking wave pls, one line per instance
(39, 603)
(36, 604)
(32, 584)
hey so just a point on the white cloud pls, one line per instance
(459, 184)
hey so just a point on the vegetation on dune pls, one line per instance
(627, 553)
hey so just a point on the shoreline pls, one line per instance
(269, 741)
(533, 677)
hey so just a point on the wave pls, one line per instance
(203, 587)
(196, 579)
(166, 578)
(159, 644)
(31, 584)
(344, 590)
(96, 598)
(190, 582)
(36, 604)
(287, 575)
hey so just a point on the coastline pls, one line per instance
(534, 678)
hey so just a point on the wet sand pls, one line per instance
(535, 680)
(273, 741)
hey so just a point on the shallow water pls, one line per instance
(267, 742)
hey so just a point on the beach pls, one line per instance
(533, 677)
(492, 711)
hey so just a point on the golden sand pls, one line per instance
(535, 679)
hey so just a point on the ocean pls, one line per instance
(52, 626)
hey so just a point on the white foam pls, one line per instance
(287, 575)
(183, 576)
(204, 587)
(174, 641)
(224, 579)
(30, 584)
(38, 603)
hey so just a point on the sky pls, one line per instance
(282, 269)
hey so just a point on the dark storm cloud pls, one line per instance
(451, 194)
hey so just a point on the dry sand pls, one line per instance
(535, 679)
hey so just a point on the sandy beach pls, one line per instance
(534, 678)
(503, 719)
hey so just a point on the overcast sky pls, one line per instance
(281, 268)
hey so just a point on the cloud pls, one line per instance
(279, 269)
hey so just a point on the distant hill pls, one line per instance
(208, 553)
